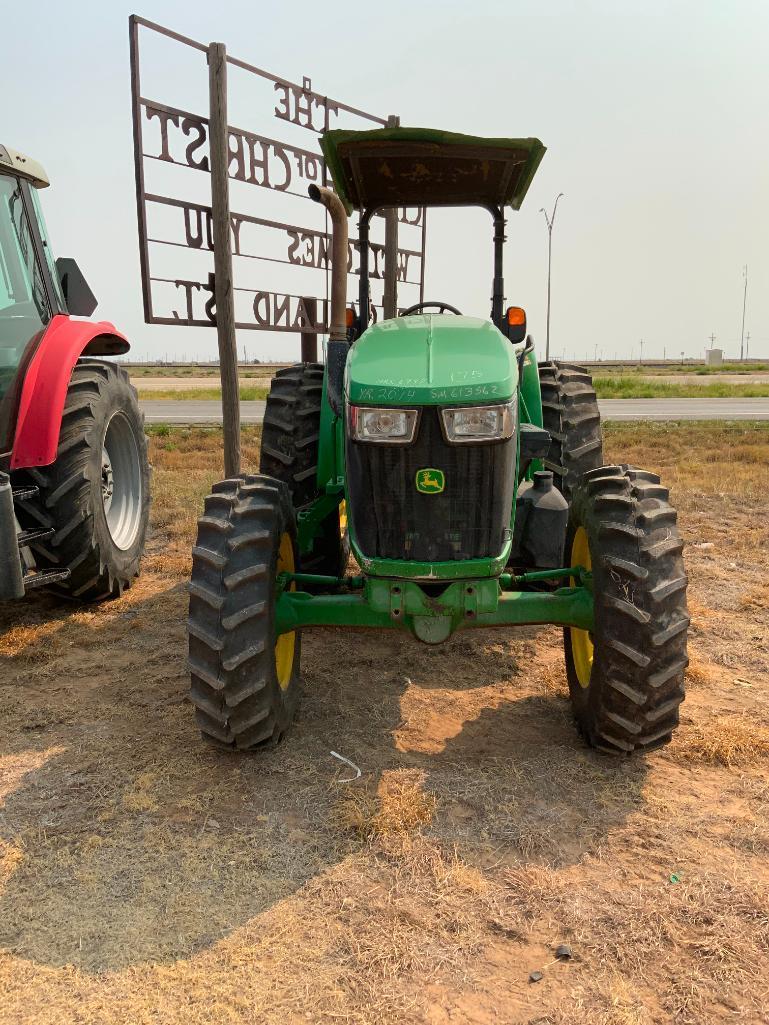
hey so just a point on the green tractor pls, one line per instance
(469, 478)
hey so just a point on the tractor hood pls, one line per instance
(431, 360)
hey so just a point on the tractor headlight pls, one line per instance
(479, 423)
(393, 425)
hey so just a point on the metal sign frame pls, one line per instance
(246, 153)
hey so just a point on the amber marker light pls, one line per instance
(516, 316)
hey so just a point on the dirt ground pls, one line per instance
(147, 878)
(725, 378)
(165, 384)
(256, 378)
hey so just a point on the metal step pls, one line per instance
(44, 578)
(28, 537)
(24, 494)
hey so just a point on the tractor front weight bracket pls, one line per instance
(431, 617)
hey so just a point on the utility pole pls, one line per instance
(550, 222)
(747, 344)
(641, 352)
(712, 339)
(744, 301)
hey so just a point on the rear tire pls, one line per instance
(291, 431)
(96, 495)
(626, 678)
(245, 682)
(571, 417)
(290, 442)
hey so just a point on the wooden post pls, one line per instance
(220, 210)
(309, 340)
(390, 296)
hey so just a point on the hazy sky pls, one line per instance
(654, 115)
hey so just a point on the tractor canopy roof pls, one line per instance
(26, 167)
(426, 167)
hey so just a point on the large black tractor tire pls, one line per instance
(626, 678)
(570, 415)
(96, 495)
(290, 441)
(245, 682)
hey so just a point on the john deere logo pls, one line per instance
(430, 481)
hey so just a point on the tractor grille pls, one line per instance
(468, 520)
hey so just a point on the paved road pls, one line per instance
(203, 411)
(684, 409)
(194, 411)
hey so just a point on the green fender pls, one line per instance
(530, 404)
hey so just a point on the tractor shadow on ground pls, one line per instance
(124, 839)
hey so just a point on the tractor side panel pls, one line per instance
(46, 382)
(330, 444)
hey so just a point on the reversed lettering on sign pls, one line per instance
(309, 248)
(272, 310)
(254, 159)
(303, 247)
(303, 107)
(176, 233)
(196, 287)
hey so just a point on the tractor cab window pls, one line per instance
(24, 305)
(47, 247)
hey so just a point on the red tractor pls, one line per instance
(74, 475)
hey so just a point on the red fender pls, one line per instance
(46, 381)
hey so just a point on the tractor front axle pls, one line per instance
(433, 615)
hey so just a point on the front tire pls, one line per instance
(96, 495)
(626, 678)
(245, 682)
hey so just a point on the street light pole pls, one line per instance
(550, 222)
(744, 301)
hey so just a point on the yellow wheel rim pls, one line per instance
(581, 641)
(286, 643)
(342, 518)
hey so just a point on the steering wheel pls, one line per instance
(420, 307)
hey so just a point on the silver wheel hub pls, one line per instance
(121, 481)
(107, 480)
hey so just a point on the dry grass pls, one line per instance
(195, 370)
(688, 369)
(397, 807)
(726, 740)
(248, 393)
(616, 386)
(145, 878)
(705, 457)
